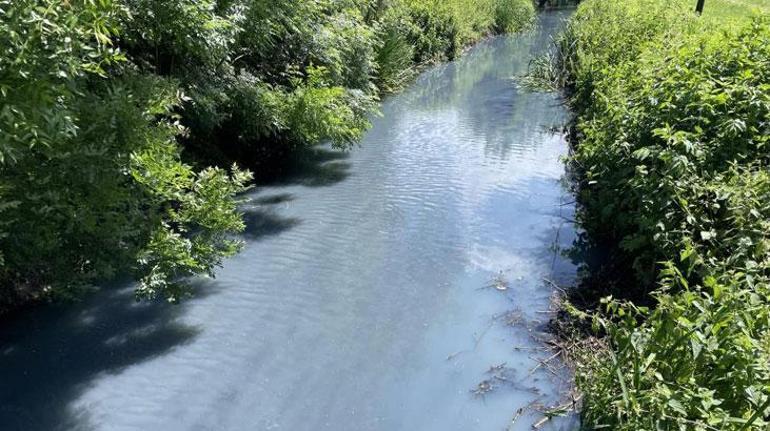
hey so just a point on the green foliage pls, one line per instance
(440, 29)
(192, 228)
(512, 16)
(415, 32)
(433, 29)
(178, 37)
(98, 98)
(85, 177)
(319, 112)
(674, 123)
(347, 51)
(250, 67)
(395, 55)
(46, 45)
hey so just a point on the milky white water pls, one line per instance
(359, 301)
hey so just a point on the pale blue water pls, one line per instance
(359, 302)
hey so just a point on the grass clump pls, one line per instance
(673, 123)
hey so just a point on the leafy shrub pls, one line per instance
(178, 37)
(248, 66)
(442, 28)
(512, 15)
(347, 51)
(673, 122)
(433, 31)
(45, 47)
(414, 32)
(615, 33)
(395, 55)
(84, 185)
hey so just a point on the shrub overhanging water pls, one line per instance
(99, 98)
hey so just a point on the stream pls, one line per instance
(403, 286)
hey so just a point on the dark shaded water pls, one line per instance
(359, 302)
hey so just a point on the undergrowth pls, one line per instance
(672, 129)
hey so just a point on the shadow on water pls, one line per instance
(604, 269)
(313, 167)
(50, 356)
(275, 199)
(262, 219)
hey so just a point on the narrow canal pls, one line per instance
(377, 290)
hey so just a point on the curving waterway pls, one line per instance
(377, 290)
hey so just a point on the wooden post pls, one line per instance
(699, 6)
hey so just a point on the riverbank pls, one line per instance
(672, 112)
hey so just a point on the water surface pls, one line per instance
(368, 296)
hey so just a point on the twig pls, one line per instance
(543, 362)
(516, 417)
(481, 337)
(455, 354)
(541, 422)
(565, 204)
(554, 285)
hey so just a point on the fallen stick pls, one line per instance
(543, 363)
(516, 417)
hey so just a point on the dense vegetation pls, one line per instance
(672, 158)
(111, 109)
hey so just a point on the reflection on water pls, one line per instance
(398, 287)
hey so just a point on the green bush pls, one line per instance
(395, 55)
(512, 15)
(178, 37)
(673, 121)
(440, 29)
(218, 50)
(415, 32)
(91, 171)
